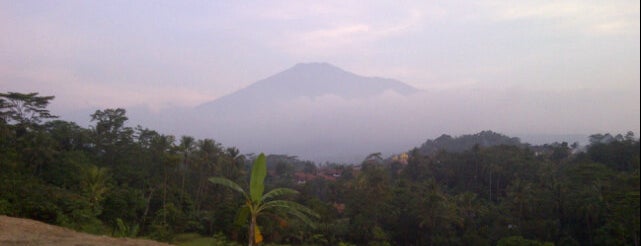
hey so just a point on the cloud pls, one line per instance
(331, 126)
(291, 10)
(590, 17)
(614, 27)
(337, 37)
(349, 33)
(103, 54)
(73, 92)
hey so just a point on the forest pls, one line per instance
(482, 189)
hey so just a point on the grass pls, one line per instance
(195, 239)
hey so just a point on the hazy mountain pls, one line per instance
(300, 111)
(316, 111)
(322, 113)
(305, 80)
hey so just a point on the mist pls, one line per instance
(337, 129)
(527, 70)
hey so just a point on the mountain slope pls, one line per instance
(313, 110)
(320, 112)
(467, 142)
(309, 80)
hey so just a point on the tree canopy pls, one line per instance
(115, 179)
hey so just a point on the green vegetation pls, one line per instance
(194, 239)
(257, 203)
(483, 189)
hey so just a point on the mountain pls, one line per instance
(306, 80)
(313, 110)
(319, 112)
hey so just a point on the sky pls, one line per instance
(160, 54)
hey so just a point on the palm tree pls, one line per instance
(257, 203)
(187, 146)
(95, 184)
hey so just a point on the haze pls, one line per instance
(532, 68)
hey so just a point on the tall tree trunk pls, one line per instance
(182, 182)
(164, 200)
(252, 230)
(144, 215)
(490, 185)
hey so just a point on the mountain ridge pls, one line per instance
(315, 110)
(310, 80)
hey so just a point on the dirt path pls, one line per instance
(15, 231)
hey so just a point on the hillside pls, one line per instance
(16, 231)
(467, 142)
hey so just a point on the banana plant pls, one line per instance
(257, 202)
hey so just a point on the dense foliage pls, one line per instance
(122, 181)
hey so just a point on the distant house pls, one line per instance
(302, 177)
(401, 158)
(330, 174)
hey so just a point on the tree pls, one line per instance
(374, 158)
(368, 204)
(187, 146)
(112, 140)
(257, 203)
(95, 185)
(437, 213)
(20, 129)
(24, 108)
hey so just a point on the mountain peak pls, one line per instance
(303, 106)
(319, 78)
(315, 69)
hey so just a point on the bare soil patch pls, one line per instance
(16, 231)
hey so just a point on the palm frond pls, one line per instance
(289, 205)
(257, 180)
(292, 208)
(302, 217)
(228, 183)
(242, 216)
(278, 192)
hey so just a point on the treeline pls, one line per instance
(499, 195)
(122, 181)
(110, 178)
(462, 143)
